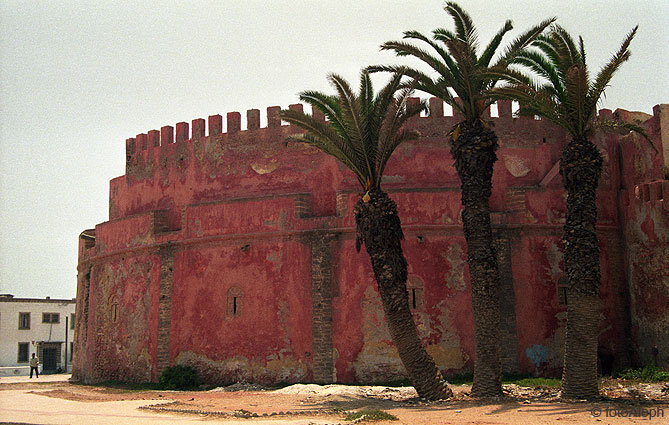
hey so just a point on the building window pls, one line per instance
(113, 309)
(71, 351)
(24, 320)
(562, 286)
(414, 299)
(415, 290)
(234, 302)
(72, 321)
(50, 317)
(23, 352)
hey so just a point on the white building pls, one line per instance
(32, 325)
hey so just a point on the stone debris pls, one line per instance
(240, 386)
(377, 392)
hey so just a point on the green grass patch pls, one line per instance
(650, 373)
(462, 379)
(535, 382)
(518, 379)
(370, 415)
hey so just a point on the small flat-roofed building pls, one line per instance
(43, 326)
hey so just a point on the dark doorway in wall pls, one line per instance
(49, 357)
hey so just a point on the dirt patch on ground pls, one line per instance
(622, 402)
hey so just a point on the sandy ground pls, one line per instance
(53, 400)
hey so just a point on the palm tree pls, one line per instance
(363, 131)
(568, 97)
(461, 71)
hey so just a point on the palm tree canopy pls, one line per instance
(454, 57)
(363, 129)
(564, 93)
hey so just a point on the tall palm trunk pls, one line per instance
(581, 167)
(474, 153)
(378, 226)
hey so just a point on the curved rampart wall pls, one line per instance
(234, 252)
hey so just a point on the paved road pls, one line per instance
(28, 407)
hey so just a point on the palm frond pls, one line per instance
(606, 73)
(464, 26)
(402, 48)
(392, 132)
(470, 86)
(542, 66)
(419, 80)
(327, 105)
(328, 141)
(443, 54)
(581, 48)
(563, 43)
(366, 101)
(576, 85)
(330, 149)
(492, 46)
(357, 121)
(453, 56)
(352, 117)
(520, 43)
(443, 35)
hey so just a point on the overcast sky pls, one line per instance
(78, 78)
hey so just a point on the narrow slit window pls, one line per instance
(415, 292)
(562, 286)
(113, 309)
(234, 302)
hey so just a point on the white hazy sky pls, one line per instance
(78, 78)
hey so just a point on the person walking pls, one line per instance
(34, 365)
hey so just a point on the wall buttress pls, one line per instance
(164, 308)
(321, 300)
(507, 302)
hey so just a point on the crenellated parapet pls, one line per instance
(183, 132)
(154, 140)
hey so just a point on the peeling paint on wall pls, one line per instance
(555, 261)
(516, 166)
(447, 352)
(122, 344)
(265, 167)
(242, 369)
(538, 354)
(455, 258)
(378, 360)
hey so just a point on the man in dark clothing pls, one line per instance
(34, 365)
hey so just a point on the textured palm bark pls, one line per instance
(474, 153)
(378, 227)
(581, 168)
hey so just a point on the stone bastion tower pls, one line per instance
(233, 252)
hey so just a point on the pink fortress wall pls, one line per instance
(234, 252)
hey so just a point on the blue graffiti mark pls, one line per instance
(537, 354)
